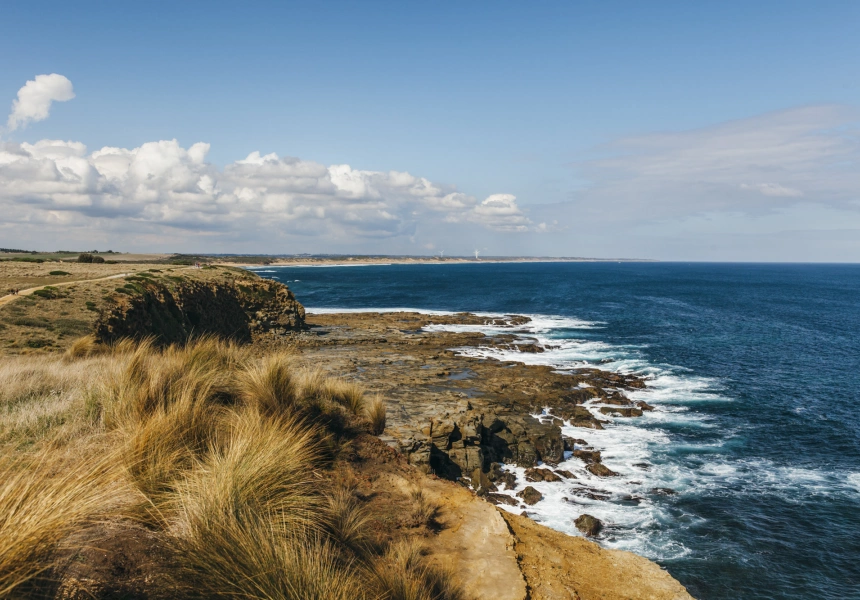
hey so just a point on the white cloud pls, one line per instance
(754, 165)
(162, 185)
(35, 99)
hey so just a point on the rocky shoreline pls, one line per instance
(466, 419)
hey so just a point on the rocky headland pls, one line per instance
(453, 425)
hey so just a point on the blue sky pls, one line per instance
(566, 107)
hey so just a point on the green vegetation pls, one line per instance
(50, 292)
(86, 257)
(59, 273)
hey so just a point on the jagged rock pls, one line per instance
(481, 483)
(564, 473)
(588, 525)
(628, 411)
(663, 491)
(571, 443)
(498, 476)
(525, 455)
(500, 499)
(589, 456)
(541, 475)
(644, 405)
(530, 495)
(579, 416)
(600, 470)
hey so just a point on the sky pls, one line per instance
(720, 131)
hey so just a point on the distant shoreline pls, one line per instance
(365, 262)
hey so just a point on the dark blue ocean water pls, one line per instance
(755, 371)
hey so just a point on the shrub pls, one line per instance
(86, 257)
(98, 259)
(49, 293)
(59, 273)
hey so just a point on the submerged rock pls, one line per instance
(590, 526)
(530, 495)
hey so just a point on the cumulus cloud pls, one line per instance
(35, 99)
(163, 185)
(754, 165)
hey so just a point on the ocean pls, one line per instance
(744, 483)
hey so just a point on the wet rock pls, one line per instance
(500, 477)
(579, 416)
(589, 456)
(663, 491)
(644, 405)
(530, 348)
(591, 493)
(548, 443)
(590, 526)
(600, 470)
(500, 499)
(541, 475)
(622, 411)
(566, 474)
(642, 465)
(530, 495)
(571, 443)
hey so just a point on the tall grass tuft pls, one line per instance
(404, 573)
(41, 503)
(348, 394)
(375, 413)
(228, 455)
(270, 385)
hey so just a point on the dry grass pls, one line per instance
(42, 501)
(375, 413)
(403, 573)
(424, 511)
(230, 457)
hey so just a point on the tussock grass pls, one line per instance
(424, 511)
(375, 413)
(270, 385)
(42, 501)
(227, 455)
(403, 573)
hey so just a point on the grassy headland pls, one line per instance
(176, 432)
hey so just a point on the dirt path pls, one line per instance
(10, 297)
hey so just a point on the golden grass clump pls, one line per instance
(270, 385)
(229, 458)
(267, 466)
(404, 573)
(375, 413)
(348, 394)
(42, 501)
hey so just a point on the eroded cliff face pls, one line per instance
(174, 310)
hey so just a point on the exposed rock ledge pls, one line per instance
(171, 310)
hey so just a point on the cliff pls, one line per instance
(174, 310)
